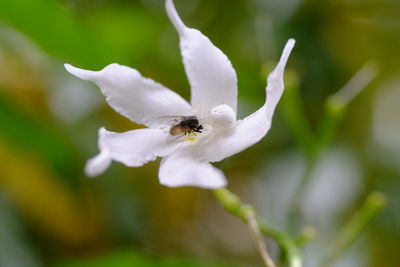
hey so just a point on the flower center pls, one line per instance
(190, 137)
(200, 129)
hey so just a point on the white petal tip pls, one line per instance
(97, 165)
(69, 68)
(80, 73)
(289, 45)
(285, 55)
(292, 41)
(91, 175)
(174, 17)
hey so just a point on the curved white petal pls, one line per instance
(98, 164)
(133, 148)
(182, 168)
(254, 127)
(135, 97)
(211, 76)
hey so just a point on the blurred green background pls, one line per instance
(51, 214)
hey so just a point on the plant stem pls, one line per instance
(313, 144)
(353, 228)
(234, 206)
(258, 238)
(306, 235)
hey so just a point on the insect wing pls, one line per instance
(165, 121)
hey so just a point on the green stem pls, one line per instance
(306, 235)
(335, 109)
(297, 197)
(234, 206)
(313, 144)
(294, 113)
(374, 203)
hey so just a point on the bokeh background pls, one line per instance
(51, 214)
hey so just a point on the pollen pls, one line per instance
(190, 137)
(192, 134)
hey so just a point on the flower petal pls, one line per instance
(133, 148)
(211, 76)
(140, 99)
(97, 165)
(182, 168)
(254, 127)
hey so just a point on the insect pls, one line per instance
(185, 125)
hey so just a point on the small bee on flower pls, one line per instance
(185, 125)
(209, 120)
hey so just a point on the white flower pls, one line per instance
(186, 159)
